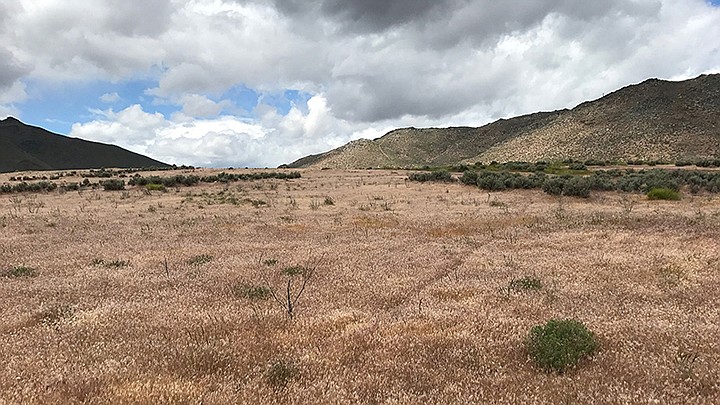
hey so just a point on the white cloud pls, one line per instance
(7, 111)
(225, 140)
(110, 98)
(371, 66)
(16, 92)
(196, 105)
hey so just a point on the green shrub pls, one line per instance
(469, 177)
(280, 373)
(155, 187)
(116, 263)
(252, 292)
(294, 271)
(560, 344)
(439, 176)
(109, 264)
(569, 186)
(113, 185)
(663, 194)
(491, 181)
(577, 187)
(19, 271)
(527, 283)
(554, 186)
(200, 260)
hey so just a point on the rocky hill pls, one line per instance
(653, 120)
(25, 147)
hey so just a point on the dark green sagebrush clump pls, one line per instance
(113, 185)
(574, 179)
(560, 344)
(18, 271)
(527, 283)
(438, 175)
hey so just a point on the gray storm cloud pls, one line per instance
(368, 65)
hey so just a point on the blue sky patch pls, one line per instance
(57, 106)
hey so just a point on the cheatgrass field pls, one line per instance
(401, 292)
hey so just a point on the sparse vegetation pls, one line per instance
(110, 263)
(54, 314)
(418, 291)
(292, 286)
(574, 179)
(252, 292)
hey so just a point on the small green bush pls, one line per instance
(155, 187)
(569, 186)
(577, 187)
(113, 185)
(560, 344)
(200, 260)
(469, 177)
(116, 263)
(252, 292)
(438, 175)
(663, 194)
(19, 271)
(280, 373)
(527, 283)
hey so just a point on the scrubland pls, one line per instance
(154, 297)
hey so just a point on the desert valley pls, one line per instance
(401, 291)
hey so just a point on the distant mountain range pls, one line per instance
(653, 120)
(25, 147)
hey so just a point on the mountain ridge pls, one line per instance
(27, 147)
(652, 120)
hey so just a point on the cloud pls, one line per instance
(11, 70)
(224, 140)
(196, 105)
(110, 98)
(367, 66)
(8, 111)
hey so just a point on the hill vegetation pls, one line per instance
(653, 120)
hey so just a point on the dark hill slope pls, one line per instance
(652, 120)
(25, 147)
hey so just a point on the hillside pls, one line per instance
(653, 120)
(25, 147)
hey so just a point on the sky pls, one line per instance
(258, 83)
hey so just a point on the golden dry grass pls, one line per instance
(409, 303)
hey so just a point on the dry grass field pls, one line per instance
(161, 297)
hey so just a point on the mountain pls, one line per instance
(25, 147)
(653, 120)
